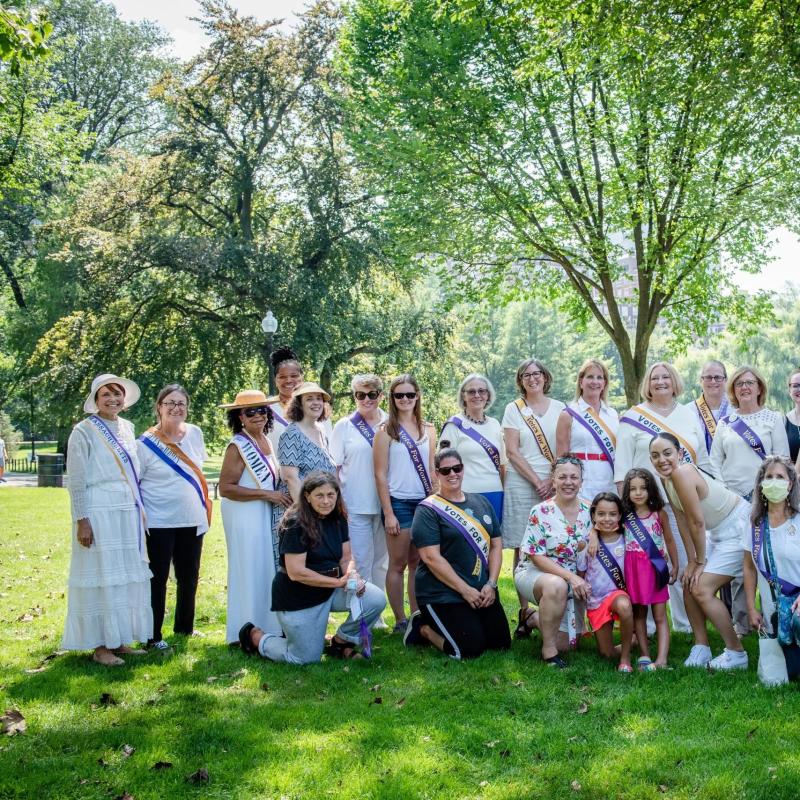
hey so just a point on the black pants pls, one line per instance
(468, 631)
(182, 547)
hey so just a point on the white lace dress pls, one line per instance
(108, 601)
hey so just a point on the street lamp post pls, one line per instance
(269, 325)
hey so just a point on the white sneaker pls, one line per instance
(729, 659)
(699, 656)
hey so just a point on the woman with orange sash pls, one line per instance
(178, 507)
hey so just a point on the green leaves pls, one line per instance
(22, 36)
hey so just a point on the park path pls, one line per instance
(18, 480)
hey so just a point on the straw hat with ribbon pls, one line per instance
(309, 387)
(249, 398)
(132, 392)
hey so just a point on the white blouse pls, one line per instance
(785, 541)
(169, 500)
(528, 446)
(480, 473)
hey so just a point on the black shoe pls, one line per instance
(245, 640)
(413, 637)
(556, 662)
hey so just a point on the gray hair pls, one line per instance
(475, 376)
(367, 379)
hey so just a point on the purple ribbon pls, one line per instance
(760, 534)
(416, 459)
(748, 434)
(610, 564)
(491, 450)
(362, 426)
(645, 541)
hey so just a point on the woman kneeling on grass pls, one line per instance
(316, 576)
(461, 550)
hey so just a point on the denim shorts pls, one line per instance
(404, 511)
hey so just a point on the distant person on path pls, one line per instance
(108, 602)
(792, 422)
(478, 439)
(2, 460)
(316, 575)
(529, 428)
(712, 404)
(459, 541)
(248, 484)
(178, 507)
(404, 475)
(587, 429)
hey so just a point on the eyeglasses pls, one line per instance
(713, 378)
(568, 460)
(529, 376)
(251, 412)
(745, 384)
(407, 395)
(476, 392)
(174, 404)
(457, 468)
(373, 395)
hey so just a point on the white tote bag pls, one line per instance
(771, 661)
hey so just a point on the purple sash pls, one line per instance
(750, 436)
(610, 565)
(759, 534)
(404, 437)
(645, 541)
(463, 523)
(362, 426)
(277, 416)
(595, 435)
(491, 450)
(651, 427)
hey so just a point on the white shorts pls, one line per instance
(525, 576)
(724, 552)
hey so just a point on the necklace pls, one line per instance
(476, 421)
(663, 410)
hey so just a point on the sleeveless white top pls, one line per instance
(404, 482)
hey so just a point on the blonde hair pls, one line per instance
(369, 379)
(762, 385)
(592, 362)
(677, 381)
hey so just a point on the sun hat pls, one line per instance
(309, 387)
(248, 398)
(132, 392)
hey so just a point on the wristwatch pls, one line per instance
(491, 583)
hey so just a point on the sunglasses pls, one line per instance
(457, 468)
(251, 412)
(373, 395)
(406, 395)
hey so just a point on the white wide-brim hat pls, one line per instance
(132, 393)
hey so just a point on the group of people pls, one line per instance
(610, 517)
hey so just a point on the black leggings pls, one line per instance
(182, 547)
(468, 631)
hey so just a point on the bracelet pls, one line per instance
(491, 583)
(701, 563)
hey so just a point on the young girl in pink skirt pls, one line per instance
(648, 542)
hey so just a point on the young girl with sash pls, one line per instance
(713, 522)
(457, 534)
(605, 574)
(529, 428)
(248, 485)
(479, 441)
(651, 562)
(772, 561)
(403, 462)
(108, 602)
(587, 429)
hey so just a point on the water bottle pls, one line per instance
(352, 583)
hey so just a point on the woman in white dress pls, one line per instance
(108, 604)
(247, 483)
(529, 430)
(587, 429)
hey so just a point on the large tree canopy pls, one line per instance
(532, 145)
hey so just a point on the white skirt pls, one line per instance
(108, 603)
(519, 497)
(724, 551)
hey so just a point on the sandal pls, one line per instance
(645, 664)
(246, 640)
(556, 662)
(107, 659)
(343, 649)
(523, 630)
(626, 669)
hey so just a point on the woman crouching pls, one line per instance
(316, 575)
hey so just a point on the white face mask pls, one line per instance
(775, 489)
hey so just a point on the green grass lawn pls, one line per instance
(405, 725)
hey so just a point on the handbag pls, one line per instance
(783, 603)
(771, 661)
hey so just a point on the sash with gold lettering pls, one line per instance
(707, 418)
(476, 536)
(125, 463)
(536, 429)
(172, 455)
(416, 458)
(737, 424)
(645, 422)
(475, 435)
(599, 431)
(257, 464)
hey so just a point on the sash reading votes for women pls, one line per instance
(760, 532)
(416, 458)
(475, 534)
(125, 464)
(605, 439)
(177, 460)
(535, 429)
(491, 450)
(645, 422)
(610, 564)
(257, 464)
(707, 418)
(737, 424)
(362, 426)
(645, 541)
